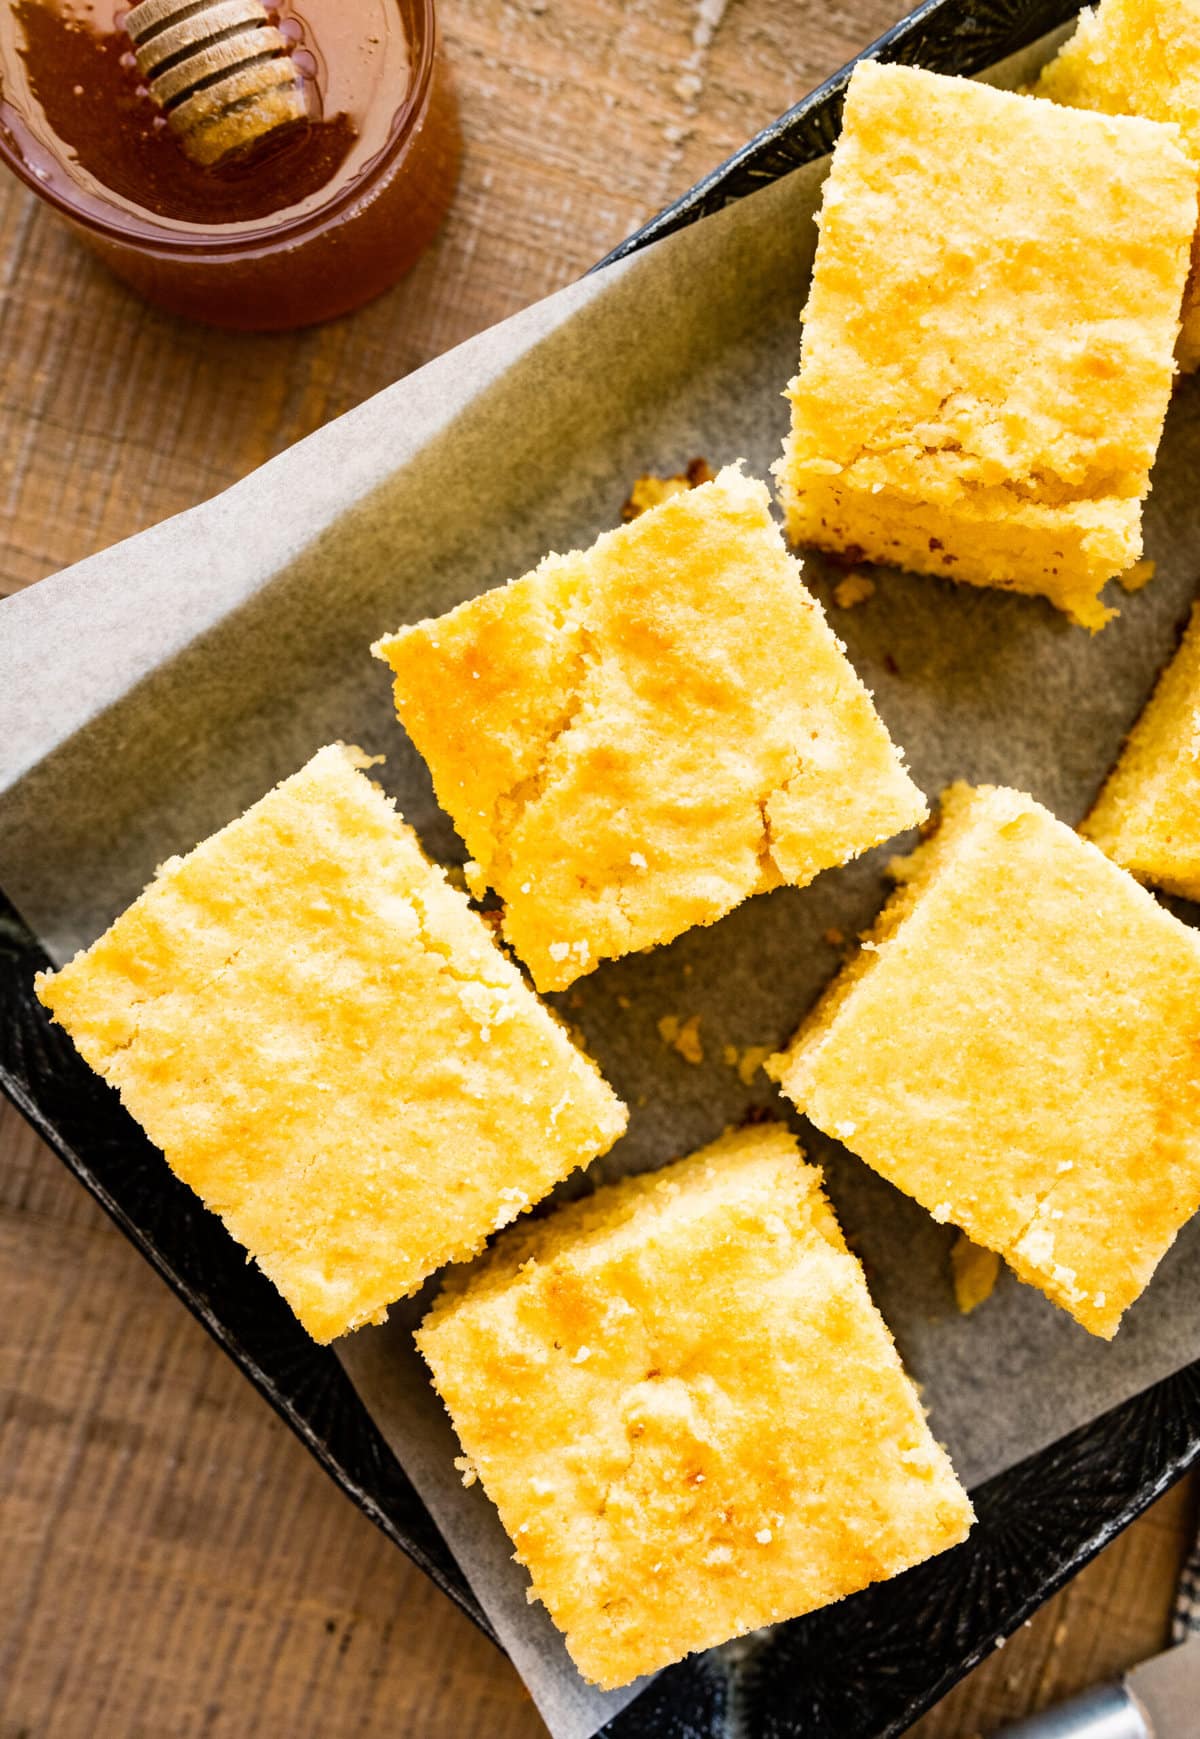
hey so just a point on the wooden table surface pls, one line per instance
(171, 1561)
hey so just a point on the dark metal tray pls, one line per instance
(861, 1670)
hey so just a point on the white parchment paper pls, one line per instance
(148, 694)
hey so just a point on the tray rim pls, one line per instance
(970, 32)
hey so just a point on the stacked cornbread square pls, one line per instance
(687, 1410)
(1139, 57)
(1147, 817)
(988, 341)
(323, 1039)
(633, 739)
(1016, 1047)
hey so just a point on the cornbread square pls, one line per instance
(687, 1410)
(987, 352)
(330, 1050)
(1147, 816)
(1139, 57)
(1018, 1048)
(634, 739)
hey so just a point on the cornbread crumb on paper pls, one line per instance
(1067, 1132)
(740, 1443)
(650, 491)
(682, 1036)
(854, 589)
(747, 1061)
(329, 1048)
(975, 1272)
(1139, 575)
(636, 738)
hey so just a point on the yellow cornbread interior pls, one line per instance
(1015, 1047)
(1139, 57)
(1147, 816)
(634, 739)
(987, 351)
(323, 1039)
(687, 1410)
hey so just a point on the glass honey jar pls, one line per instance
(309, 226)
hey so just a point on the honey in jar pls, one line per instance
(313, 222)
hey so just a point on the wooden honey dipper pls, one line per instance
(221, 73)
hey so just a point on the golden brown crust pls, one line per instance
(633, 740)
(328, 1047)
(1139, 57)
(687, 1410)
(1147, 816)
(1018, 1047)
(989, 411)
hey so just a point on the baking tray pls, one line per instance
(861, 1670)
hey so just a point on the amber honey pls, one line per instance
(300, 232)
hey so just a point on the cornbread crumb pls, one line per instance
(682, 1036)
(1019, 1052)
(1147, 816)
(740, 1446)
(854, 589)
(651, 491)
(975, 1272)
(747, 1062)
(1139, 57)
(674, 694)
(1139, 575)
(988, 411)
(330, 1050)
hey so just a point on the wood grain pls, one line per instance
(171, 1562)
